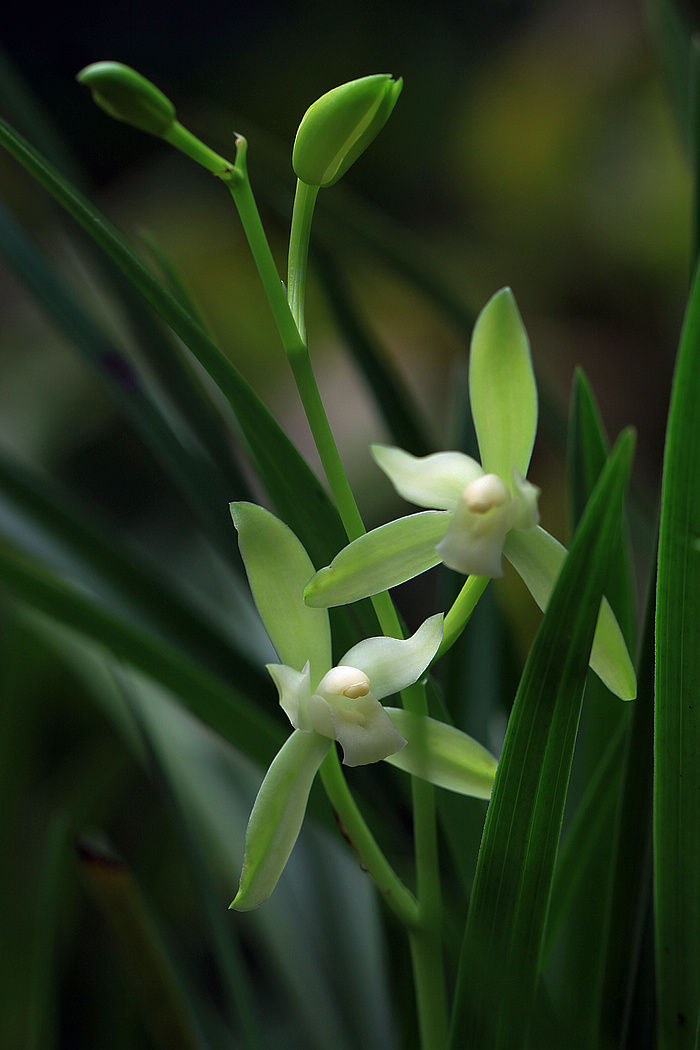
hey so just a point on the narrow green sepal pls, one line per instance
(278, 568)
(538, 558)
(127, 96)
(340, 125)
(502, 388)
(277, 816)
(442, 754)
(380, 559)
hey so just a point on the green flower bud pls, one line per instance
(128, 96)
(340, 125)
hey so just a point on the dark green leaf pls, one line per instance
(300, 499)
(216, 702)
(153, 977)
(677, 720)
(497, 981)
(192, 472)
(41, 520)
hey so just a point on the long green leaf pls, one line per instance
(164, 1004)
(41, 520)
(215, 701)
(596, 779)
(630, 903)
(299, 497)
(191, 471)
(677, 735)
(497, 980)
(226, 951)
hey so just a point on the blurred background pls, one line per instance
(535, 145)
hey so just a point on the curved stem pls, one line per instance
(244, 200)
(457, 617)
(300, 233)
(182, 139)
(426, 938)
(398, 897)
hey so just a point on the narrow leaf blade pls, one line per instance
(677, 731)
(497, 982)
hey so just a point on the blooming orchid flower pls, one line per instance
(326, 703)
(482, 511)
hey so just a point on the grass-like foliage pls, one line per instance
(306, 810)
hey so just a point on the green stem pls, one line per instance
(302, 214)
(244, 200)
(423, 918)
(325, 441)
(182, 139)
(398, 897)
(425, 939)
(463, 606)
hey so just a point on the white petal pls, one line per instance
(434, 481)
(392, 664)
(320, 717)
(365, 732)
(473, 543)
(526, 496)
(294, 688)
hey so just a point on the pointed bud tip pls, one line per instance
(127, 96)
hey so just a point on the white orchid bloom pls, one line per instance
(344, 705)
(482, 511)
(326, 703)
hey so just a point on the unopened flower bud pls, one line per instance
(340, 125)
(126, 95)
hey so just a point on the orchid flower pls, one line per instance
(482, 511)
(326, 703)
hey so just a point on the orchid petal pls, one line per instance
(434, 481)
(526, 496)
(294, 688)
(277, 816)
(473, 543)
(365, 732)
(380, 559)
(502, 388)
(442, 754)
(392, 664)
(538, 557)
(278, 568)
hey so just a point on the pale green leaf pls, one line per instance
(502, 388)
(278, 568)
(277, 816)
(538, 557)
(442, 754)
(380, 559)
